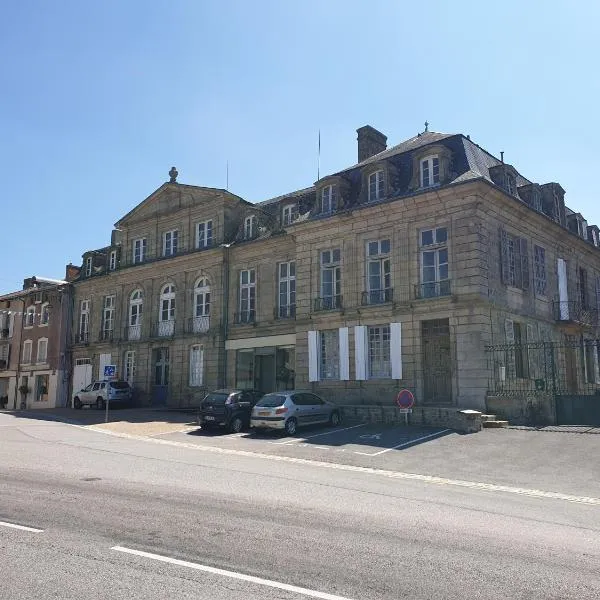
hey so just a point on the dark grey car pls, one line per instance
(292, 409)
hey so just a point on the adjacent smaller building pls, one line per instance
(34, 333)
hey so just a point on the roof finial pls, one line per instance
(426, 126)
(173, 175)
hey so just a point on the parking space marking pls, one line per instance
(231, 574)
(409, 443)
(21, 527)
(331, 431)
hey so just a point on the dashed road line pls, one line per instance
(431, 479)
(231, 574)
(21, 527)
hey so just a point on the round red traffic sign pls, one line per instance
(405, 399)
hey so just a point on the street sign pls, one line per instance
(405, 399)
(406, 411)
(110, 371)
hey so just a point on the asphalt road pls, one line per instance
(193, 523)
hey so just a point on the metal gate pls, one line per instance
(566, 371)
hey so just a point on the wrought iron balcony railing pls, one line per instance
(245, 317)
(432, 289)
(377, 296)
(198, 324)
(328, 303)
(106, 335)
(133, 332)
(82, 337)
(572, 311)
(164, 328)
(285, 312)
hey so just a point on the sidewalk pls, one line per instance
(134, 421)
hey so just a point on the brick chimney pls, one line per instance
(370, 142)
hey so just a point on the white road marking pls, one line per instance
(321, 447)
(21, 527)
(488, 487)
(371, 436)
(410, 443)
(231, 574)
(308, 437)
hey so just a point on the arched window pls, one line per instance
(166, 310)
(200, 321)
(136, 304)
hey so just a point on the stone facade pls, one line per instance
(395, 273)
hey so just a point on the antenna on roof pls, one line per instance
(319, 158)
(502, 156)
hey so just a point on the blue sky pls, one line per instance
(98, 101)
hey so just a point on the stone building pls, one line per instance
(398, 272)
(34, 339)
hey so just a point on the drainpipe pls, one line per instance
(225, 308)
(18, 375)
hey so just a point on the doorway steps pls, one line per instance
(492, 422)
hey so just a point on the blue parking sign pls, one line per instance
(109, 371)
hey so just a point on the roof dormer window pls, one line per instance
(430, 171)
(376, 186)
(328, 199)
(290, 214)
(250, 227)
(88, 266)
(511, 186)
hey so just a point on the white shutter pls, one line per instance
(313, 356)
(344, 354)
(11, 324)
(396, 349)
(563, 292)
(360, 354)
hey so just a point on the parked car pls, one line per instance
(228, 408)
(99, 392)
(292, 409)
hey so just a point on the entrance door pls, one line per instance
(82, 374)
(437, 362)
(161, 376)
(264, 370)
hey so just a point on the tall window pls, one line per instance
(430, 171)
(539, 272)
(379, 279)
(434, 263)
(166, 313)
(290, 213)
(287, 290)
(139, 250)
(200, 322)
(108, 317)
(247, 296)
(196, 366)
(583, 295)
(328, 199)
(129, 362)
(45, 314)
(204, 234)
(376, 186)
(112, 260)
(514, 260)
(41, 388)
(84, 320)
(27, 346)
(42, 350)
(88, 266)
(170, 240)
(331, 279)
(329, 354)
(250, 227)
(136, 304)
(380, 365)
(30, 317)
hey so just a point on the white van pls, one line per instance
(99, 392)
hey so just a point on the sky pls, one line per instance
(98, 100)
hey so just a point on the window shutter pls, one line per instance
(504, 275)
(511, 367)
(396, 349)
(524, 264)
(313, 356)
(563, 292)
(532, 353)
(360, 355)
(344, 354)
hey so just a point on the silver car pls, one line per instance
(292, 409)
